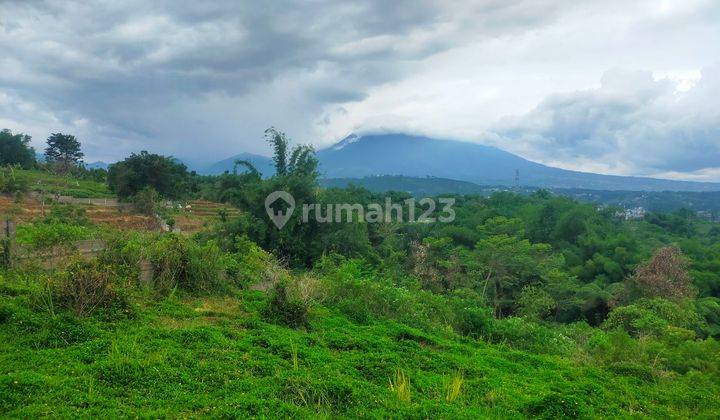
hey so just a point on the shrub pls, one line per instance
(146, 200)
(614, 347)
(473, 321)
(652, 317)
(531, 336)
(709, 309)
(46, 235)
(555, 406)
(285, 308)
(361, 295)
(181, 262)
(85, 287)
(68, 214)
(535, 303)
(249, 264)
(13, 183)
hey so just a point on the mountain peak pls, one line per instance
(352, 138)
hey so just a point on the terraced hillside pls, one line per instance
(199, 213)
(29, 209)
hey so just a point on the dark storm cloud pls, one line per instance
(631, 118)
(132, 68)
(202, 80)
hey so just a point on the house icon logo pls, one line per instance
(279, 217)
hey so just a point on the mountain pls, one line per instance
(97, 165)
(416, 156)
(263, 164)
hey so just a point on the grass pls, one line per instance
(215, 356)
(46, 182)
(454, 387)
(401, 386)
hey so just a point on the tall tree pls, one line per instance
(665, 275)
(279, 142)
(63, 150)
(166, 175)
(15, 149)
(302, 160)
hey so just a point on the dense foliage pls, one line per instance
(63, 151)
(15, 149)
(139, 171)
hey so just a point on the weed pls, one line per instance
(454, 387)
(285, 308)
(401, 386)
(294, 356)
(84, 287)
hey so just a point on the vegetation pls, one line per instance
(63, 152)
(139, 171)
(523, 306)
(15, 150)
(47, 183)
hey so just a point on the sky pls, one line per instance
(616, 87)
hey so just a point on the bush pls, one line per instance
(555, 406)
(709, 309)
(284, 308)
(249, 264)
(86, 287)
(67, 213)
(180, 262)
(475, 321)
(13, 183)
(535, 303)
(531, 336)
(653, 317)
(46, 235)
(146, 201)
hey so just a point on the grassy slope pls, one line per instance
(44, 181)
(214, 356)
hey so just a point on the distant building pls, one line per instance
(706, 215)
(635, 213)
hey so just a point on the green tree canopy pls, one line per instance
(63, 150)
(15, 149)
(165, 174)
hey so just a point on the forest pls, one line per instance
(526, 305)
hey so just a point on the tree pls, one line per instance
(280, 144)
(505, 264)
(296, 173)
(251, 169)
(63, 150)
(15, 149)
(302, 159)
(139, 171)
(665, 275)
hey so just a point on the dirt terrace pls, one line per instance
(30, 209)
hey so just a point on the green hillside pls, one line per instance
(49, 183)
(222, 356)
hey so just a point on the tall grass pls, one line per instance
(401, 386)
(454, 387)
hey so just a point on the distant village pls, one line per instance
(637, 213)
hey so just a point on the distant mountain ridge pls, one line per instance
(707, 203)
(263, 164)
(417, 156)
